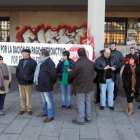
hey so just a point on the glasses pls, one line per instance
(1, 59)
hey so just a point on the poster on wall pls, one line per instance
(132, 33)
(12, 51)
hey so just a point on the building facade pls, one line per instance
(71, 22)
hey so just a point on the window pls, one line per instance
(115, 31)
(138, 33)
(4, 29)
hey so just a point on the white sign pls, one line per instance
(12, 51)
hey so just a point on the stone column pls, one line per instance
(95, 31)
(96, 19)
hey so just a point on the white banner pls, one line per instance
(12, 51)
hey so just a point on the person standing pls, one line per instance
(5, 79)
(106, 65)
(25, 74)
(136, 56)
(120, 60)
(82, 76)
(62, 69)
(44, 78)
(131, 81)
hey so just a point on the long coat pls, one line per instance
(82, 76)
(6, 83)
(127, 79)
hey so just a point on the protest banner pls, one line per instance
(12, 51)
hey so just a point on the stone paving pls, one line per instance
(106, 125)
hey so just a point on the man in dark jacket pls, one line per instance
(82, 75)
(25, 73)
(44, 78)
(120, 61)
(106, 66)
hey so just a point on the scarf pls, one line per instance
(4, 75)
(133, 79)
(40, 62)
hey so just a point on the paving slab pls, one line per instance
(69, 134)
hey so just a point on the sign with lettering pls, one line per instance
(12, 51)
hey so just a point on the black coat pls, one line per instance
(82, 75)
(60, 67)
(127, 79)
(47, 76)
(25, 75)
(100, 65)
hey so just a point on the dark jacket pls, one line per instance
(119, 58)
(25, 75)
(82, 75)
(60, 67)
(47, 76)
(127, 79)
(100, 65)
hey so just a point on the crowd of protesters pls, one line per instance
(75, 78)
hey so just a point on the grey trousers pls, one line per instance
(84, 106)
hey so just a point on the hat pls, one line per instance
(26, 50)
(127, 59)
(81, 52)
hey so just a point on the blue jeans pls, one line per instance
(48, 104)
(66, 91)
(2, 99)
(109, 86)
(116, 86)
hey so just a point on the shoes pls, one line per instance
(111, 108)
(69, 108)
(21, 112)
(77, 122)
(88, 121)
(127, 110)
(102, 107)
(48, 120)
(30, 113)
(2, 113)
(130, 109)
(41, 115)
(63, 107)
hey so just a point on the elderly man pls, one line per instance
(106, 65)
(82, 75)
(25, 74)
(120, 60)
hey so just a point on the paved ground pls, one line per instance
(106, 125)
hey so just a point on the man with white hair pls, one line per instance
(106, 65)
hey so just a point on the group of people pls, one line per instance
(74, 78)
(108, 67)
